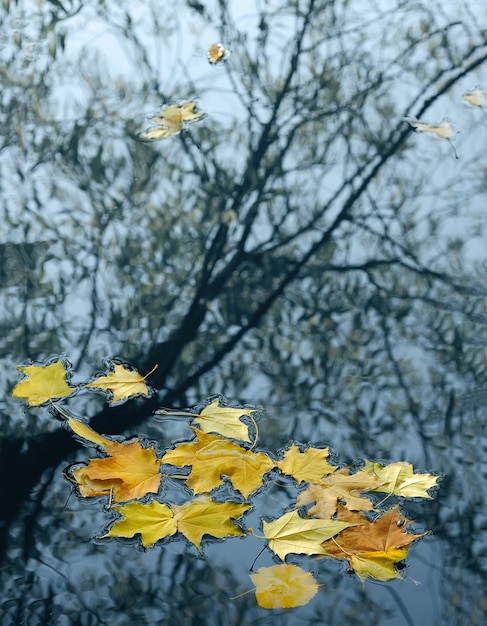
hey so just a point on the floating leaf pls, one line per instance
(224, 421)
(194, 519)
(84, 431)
(44, 383)
(130, 472)
(291, 533)
(308, 466)
(400, 479)
(212, 457)
(372, 548)
(172, 120)
(340, 486)
(283, 586)
(443, 130)
(217, 53)
(152, 521)
(475, 98)
(123, 383)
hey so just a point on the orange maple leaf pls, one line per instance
(130, 471)
(212, 457)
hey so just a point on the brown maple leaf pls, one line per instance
(372, 548)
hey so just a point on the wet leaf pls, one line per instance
(155, 521)
(400, 479)
(372, 548)
(340, 486)
(224, 421)
(130, 472)
(283, 586)
(122, 383)
(291, 533)
(44, 383)
(212, 457)
(172, 120)
(308, 466)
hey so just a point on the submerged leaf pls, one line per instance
(283, 586)
(44, 383)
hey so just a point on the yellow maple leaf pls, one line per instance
(172, 120)
(212, 457)
(123, 383)
(84, 431)
(379, 565)
(222, 420)
(152, 521)
(204, 516)
(308, 466)
(291, 533)
(201, 516)
(400, 479)
(283, 586)
(44, 383)
(336, 487)
(130, 472)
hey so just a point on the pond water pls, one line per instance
(268, 228)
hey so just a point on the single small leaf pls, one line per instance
(308, 466)
(123, 383)
(44, 383)
(152, 521)
(213, 457)
(283, 586)
(203, 516)
(224, 421)
(475, 98)
(130, 472)
(379, 565)
(336, 487)
(443, 130)
(400, 479)
(291, 533)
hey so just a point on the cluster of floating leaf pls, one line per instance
(444, 130)
(174, 118)
(335, 514)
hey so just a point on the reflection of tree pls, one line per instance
(295, 242)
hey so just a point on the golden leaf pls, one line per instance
(123, 383)
(152, 521)
(308, 466)
(194, 519)
(203, 516)
(212, 457)
(45, 382)
(400, 479)
(475, 98)
(291, 533)
(84, 431)
(130, 472)
(223, 420)
(283, 586)
(339, 486)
